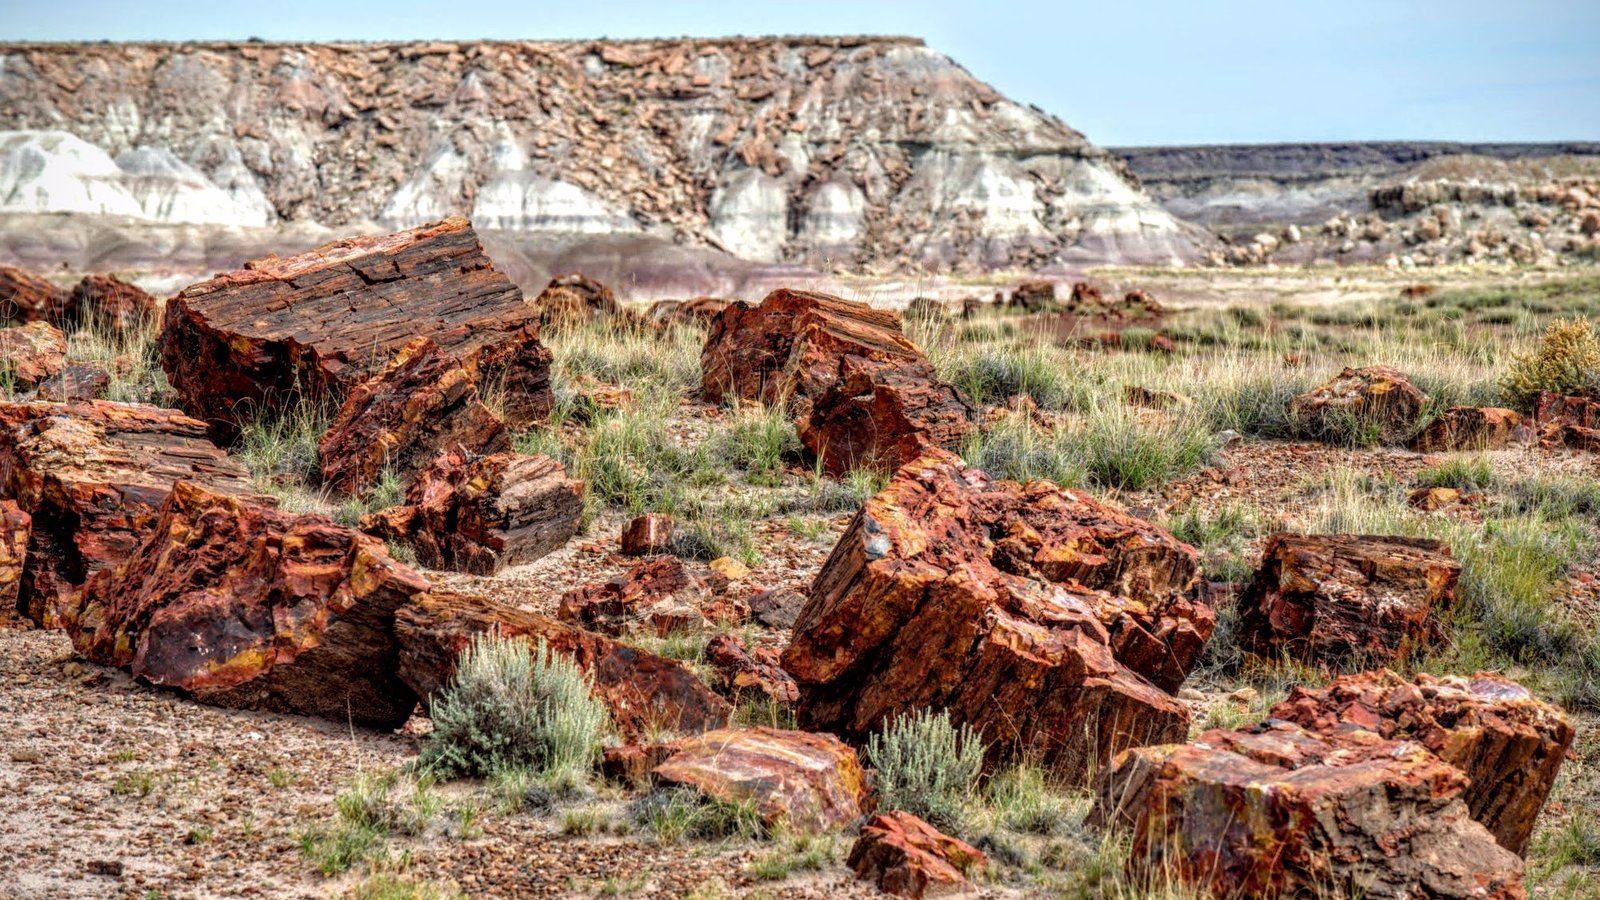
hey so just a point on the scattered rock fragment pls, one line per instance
(574, 298)
(1034, 296)
(776, 608)
(744, 672)
(1568, 420)
(1377, 395)
(805, 782)
(661, 594)
(74, 382)
(31, 354)
(905, 856)
(1138, 395)
(1462, 428)
(647, 534)
(107, 302)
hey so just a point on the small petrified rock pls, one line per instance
(574, 298)
(698, 310)
(1508, 742)
(108, 302)
(1379, 395)
(1433, 499)
(1034, 296)
(1345, 598)
(776, 608)
(743, 672)
(905, 856)
(1468, 428)
(806, 782)
(423, 402)
(646, 693)
(647, 534)
(247, 606)
(1573, 421)
(26, 297)
(1149, 398)
(15, 525)
(31, 354)
(74, 382)
(661, 594)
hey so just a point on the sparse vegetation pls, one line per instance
(927, 767)
(1567, 361)
(674, 815)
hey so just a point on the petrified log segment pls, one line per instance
(1035, 296)
(806, 782)
(14, 528)
(247, 606)
(314, 325)
(106, 301)
(74, 382)
(31, 354)
(422, 402)
(1468, 428)
(478, 515)
(695, 310)
(662, 594)
(93, 474)
(1342, 598)
(990, 599)
(646, 693)
(741, 672)
(574, 298)
(1509, 744)
(905, 856)
(1379, 395)
(861, 391)
(26, 297)
(1573, 421)
(1283, 812)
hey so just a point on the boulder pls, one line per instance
(647, 694)
(243, 605)
(74, 382)
(662, 594)
(862, 393)
(480, 514)
(1509, 744)
(1346, 598)
(647, 534)
(423, 402)
(93, 475)
(902, 855)
(26, 297)
(1468, 428)
(1433, 499)
(804, 782)
(312, 326)
(1279, 811)
(107, 302)
(30, 354)
(1035, 614)
(574, 298)
(15, 525)
(741, 672)
(1379, 395)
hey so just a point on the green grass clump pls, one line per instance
(387, 886)
(927, 767)
(1464, 473)
(1018, 451)
(674, 815)
(761, 441)
(280, 447)
(795, 853)
(1567, 361)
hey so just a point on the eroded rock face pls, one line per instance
(31, 354)
(905, 856)
(1280, 811)
(480, 514)
(647, 694)
(15, 526)
(660, 595)
(1469, 428)
(311, 327)
(806, 782)
(1034, 614)
(246, 606)
(423, 402)
(1509, 744)
(1379, 395)
(26, 297)
(1342, 598)
(93, 475)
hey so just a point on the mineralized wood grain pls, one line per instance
(906, 857)
(15, 524)
(26, 297)
(809, 783)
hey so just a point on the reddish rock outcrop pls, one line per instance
(1344, 598)
(646, 693)
(26, 297)
(862, 393)
(247, 606)
(647, 534)
(1378, 395)
(1573, 421)
(1509, 744)
(742, 672)
(93, 475)
(1279, 811)
(480, 514)
(312, 326)
(108, 302)
(422, 402)
(905, 856)
(1035, 614)
(1468, 428)
(574, 298)
(802, 781)
(31, 354)
(661, 594)
(15, 525)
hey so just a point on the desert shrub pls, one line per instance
(1122, 450)
(1023, 800)
(1566, 361)
(277, 446)
(1556, 497)
(995, 375)
(1222, 535)
(514, 706)
(631, 459)
(927, 767)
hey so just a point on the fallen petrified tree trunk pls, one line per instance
(108, 302)
(661, 594)
(310, 327)
(1573, 421)
(93, 475)
(247, 606)
(26, 297)
(907, 857)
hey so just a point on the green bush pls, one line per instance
(1567, 361)
(927, 767)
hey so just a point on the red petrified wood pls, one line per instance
(1379, 395)
(647, 534)
(244, 605)
(106, 301)
(742, 672)
(1574, 421)
(907, 857)
(661, 594)
(14, 528)
(805, 782)
(31, 354)
(1469, 428)
(26, 297)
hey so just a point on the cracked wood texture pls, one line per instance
(312, 326)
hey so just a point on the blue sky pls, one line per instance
(1126, 72)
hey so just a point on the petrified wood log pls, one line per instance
(1378, 395)
(1509, 744)
(1022, 609)
(74, 382)
(15, 524)
(247, 606)
(906, 857)
(478, 515)
(310, 327)
(647, 534)
(574, 298)
(1344, 598)
(1468, 428)
(422, 402)
(108, 302)
(802, 781)
(646, 693)
(662, 594)
(26, 297)
(1278, 811)
(741, 673)
(31, 354)
(879, 416)
(1573, 421)
(93, 475)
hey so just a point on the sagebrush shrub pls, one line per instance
(927, 767)
(511, 706)
(1567, 361)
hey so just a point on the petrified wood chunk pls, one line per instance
(905, 856)
(312, 326)
(879, 416)
(30, 354)
(74, 382)
(574, 298)
(422, 402)
(93, 474)
(478, 515)
(661, 594)
(26, 297)
(1379, 395)
(806, 782)
(106, 301)
(1468, 428)
(1573, 421)
(695, 310)
(742, 673)
(1034, 296)
(14, 528)
(1019, 608)
(1341, 598)
(646, 693)
(1279, 811)
(647, 534)
(247, 606)
(1509, 744)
